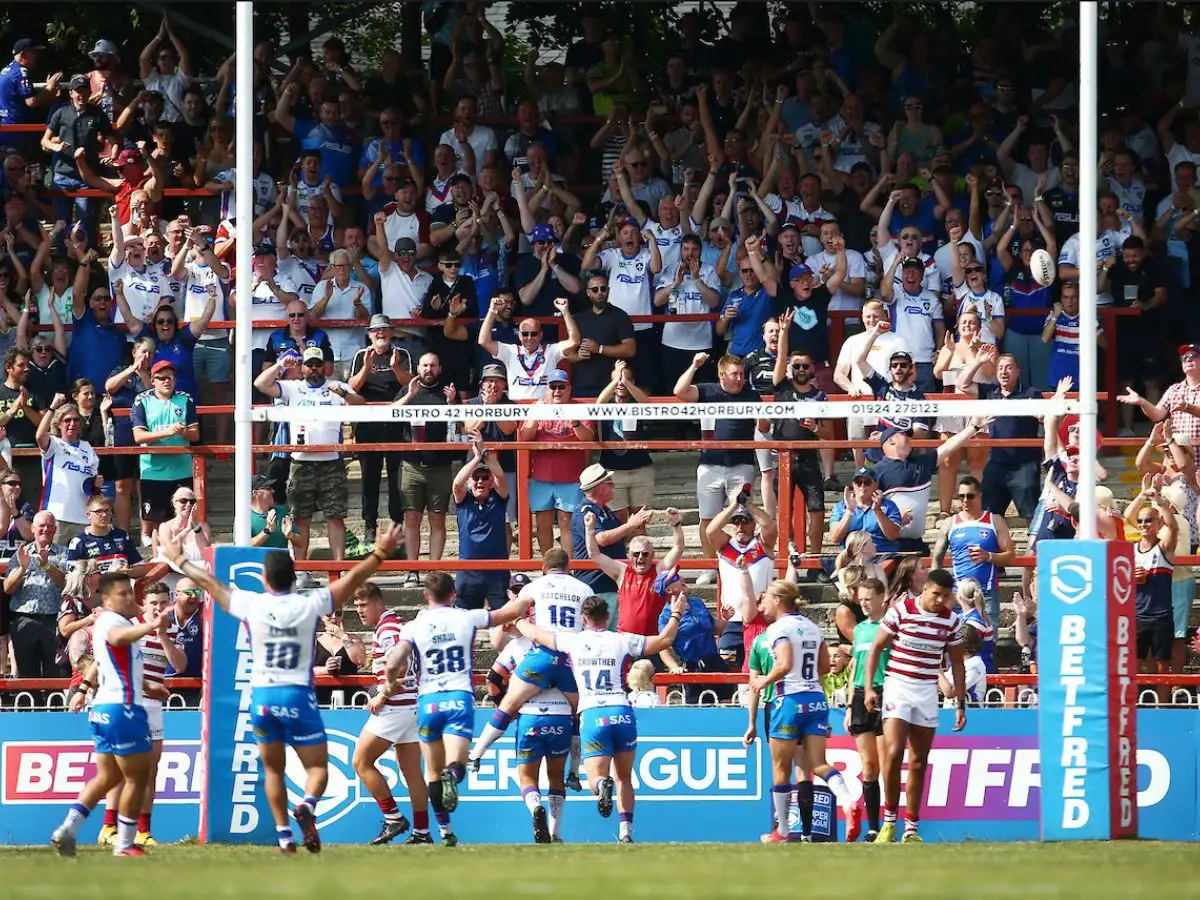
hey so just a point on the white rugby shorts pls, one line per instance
(916, 704)
(395, 724)
(154, 715)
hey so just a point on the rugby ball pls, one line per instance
(1041, 267)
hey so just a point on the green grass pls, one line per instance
(1124, 870)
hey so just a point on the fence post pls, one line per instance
(524, 516)
(785, 491)
(200, 484)
(1108, 315)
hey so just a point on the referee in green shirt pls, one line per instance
(864, 724)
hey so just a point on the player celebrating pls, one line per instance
(867, 725)
(543, 733)
(282, 624)
(557, 599)
(607, 723)
(442, 638)
(918, 631)
(395, 726)
(118, 719)
(801, 713)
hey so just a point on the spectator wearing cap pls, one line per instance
(166, 69)
(749, 306)
(1180, 401)
(851, 376)
(402, 218)
(1011, 473)
(317, 480)
(450, 297)
(789, 244)
(546, 274)
(754, 534)
(341, 298)
(639, 601)
(806, 310)
(75, 128)
(17, 94)
(606, 335)
(687, 288)
(402, 288)
(272, 291)
(481, 500)
(138, 190)
(163, 417)
(722, 473)
(596, 484)
(905, 476)
(916, 316)
(864, 508)
(445, 220)
(271, 524)
(695, 645)
(528, 362)
(554, 474)
(108, 80)
(327, 134)
(173, 344)
(631, 268)
(493, 384)
(378, 372)
(900, 384)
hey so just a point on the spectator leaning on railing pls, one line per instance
(638, 603)
(163, 417)
(480, 498)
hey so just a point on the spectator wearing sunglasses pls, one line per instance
(163, 417)
(480, 492)
(979, 544)
(71, 465)
(171, 343)
(971, 290)
(47, 363)
(185, 628)
(185, 528)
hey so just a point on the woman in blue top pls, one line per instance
(120, 471)
(172, 343)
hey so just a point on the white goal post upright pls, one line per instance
(243, 429)
(1088, 184)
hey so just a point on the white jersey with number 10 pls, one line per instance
(806, 640)
(557, 601)
(598, 659)
(443, 638)
(283, 630)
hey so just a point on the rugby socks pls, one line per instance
(912, 826)
(492, 732)
(126, 832)
(312, 803)
(283, 835)
(143, 823)
(871, 798)
(837, 784)
(625, 829)
(391, 812)
(576, 760)
(110, 818)
(435, 798)
(804, 800)
(889, 815)
(458, 770)
(532, 797)
(421, 821)
(557, 799)
(76, 813)
(781, 796)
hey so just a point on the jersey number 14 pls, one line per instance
(598, 681)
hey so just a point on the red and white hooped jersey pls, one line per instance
(154, 657)
(387, 635)
(919, 639)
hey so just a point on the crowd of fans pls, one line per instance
(768, 180)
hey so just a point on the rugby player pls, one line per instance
(394, 726)
(118, 718)
(608, 726)
(918, 632)
(282, 624)
(801, 713)
(442, 639)
(556, 598)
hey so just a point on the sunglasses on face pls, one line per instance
(11, 483)
(314, 363)
(186, 501)
(100, 511)
(67, 420)
(638, 554)
(298, 315)
(99, 298)
(970, 496)
(164, 321)
(450, 265)
(42, 349)
(974, 270)
(636, 165)
(190, 592)
(801, 365)
(1145, 521)
(597, 290)
(530, 334)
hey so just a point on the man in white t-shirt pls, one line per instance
(165, 69)
(850, 295)
(482, 139)
(340, 297)
(687, 288)
(318, 478)
(528, 362)
(851, 378)
(143, 284)
(271, 292)
(402, 287)
(403, 219)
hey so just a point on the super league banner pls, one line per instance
(695, 781)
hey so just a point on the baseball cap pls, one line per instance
(787, 225)
(518, 581)
(592, 476)
(630, 221)
(25, 44)
(1189, 348)
(262, 483)
(866, 473)
(458, 178)
(379, 320)
(104, 46)
(405, 245)
(265, 248)
(901, 354)
(78, 82)
(129, 157)
(161, 365)
(721, 222)
(312, 353)
(557, 376)
(741, 513)
(494, 370)
(665, 580)
(912, 263)
(889, 433)
(799, 271)
(542, 232)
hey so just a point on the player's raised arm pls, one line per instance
(665, 638)
(511, 611)
(537, 635)
(171, 550)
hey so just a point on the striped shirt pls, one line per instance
(154, 657)
(387, 635)
(919, 639)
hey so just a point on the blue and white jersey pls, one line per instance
(283, 632)
(599, 660)
(145, 290)
(687, 300)
(551, 701)
(1107, 245)
(1132, 196)
(976, 677)
(806, 640)
(557, 601)
(966, 533)
(120, 667)
(443, 638)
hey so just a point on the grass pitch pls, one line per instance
(1124, 870)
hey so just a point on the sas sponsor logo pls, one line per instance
(52, 772)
